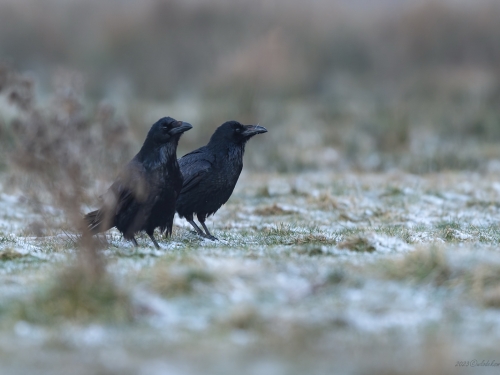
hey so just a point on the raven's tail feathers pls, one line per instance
(95, 222)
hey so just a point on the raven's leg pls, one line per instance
(201, 219)
(154, 240)
(196, 227)
(134, 241)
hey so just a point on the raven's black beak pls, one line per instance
(251, 130)
(180, 127)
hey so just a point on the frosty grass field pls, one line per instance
(313, 273)
(363, 236)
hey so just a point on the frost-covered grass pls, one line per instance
(314, 273)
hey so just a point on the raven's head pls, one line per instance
(167, 129)
(233, 131)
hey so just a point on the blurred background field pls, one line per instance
(363, 234)
(369, 85)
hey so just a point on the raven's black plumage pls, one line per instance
(143, 196)
(211, 172)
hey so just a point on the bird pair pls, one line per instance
(154, 184)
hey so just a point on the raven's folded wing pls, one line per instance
(116, 200)
(130, 186)
(194, 167)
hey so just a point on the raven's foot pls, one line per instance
(207, 236)
(199, 232)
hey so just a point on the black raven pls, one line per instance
(143, 196)
(211, 172)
